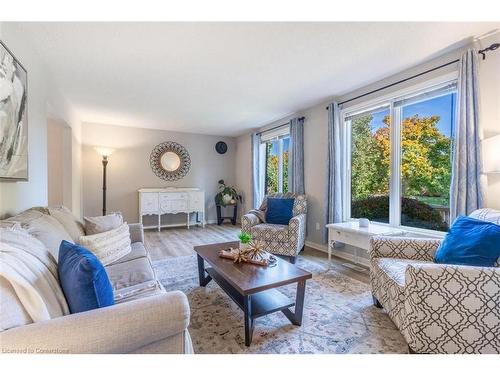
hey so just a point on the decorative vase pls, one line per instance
(226, 198)
(244, 246)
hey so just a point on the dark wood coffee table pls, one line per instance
(253, 287)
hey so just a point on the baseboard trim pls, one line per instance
(178, 225)
(339, 254)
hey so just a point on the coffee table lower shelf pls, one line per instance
(263, 303)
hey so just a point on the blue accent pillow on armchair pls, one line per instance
(83, 279)
(470, 242)
(279, 210)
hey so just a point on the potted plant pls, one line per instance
(227, 195)
(245, 239)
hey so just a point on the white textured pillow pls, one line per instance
(108, 246)
(100, 224)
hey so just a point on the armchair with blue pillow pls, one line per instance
(443, 295)
(279, 223)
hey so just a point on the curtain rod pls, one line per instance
(277, 127)
(493, 47)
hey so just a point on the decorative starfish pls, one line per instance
(240, 256)
(255, 250)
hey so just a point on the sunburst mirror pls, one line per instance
(170, 161)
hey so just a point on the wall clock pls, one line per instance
(221, 147)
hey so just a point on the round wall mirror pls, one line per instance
(170, 161)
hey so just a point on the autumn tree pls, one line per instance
(369, 164)
(426, 162)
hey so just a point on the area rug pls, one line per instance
(338, 315)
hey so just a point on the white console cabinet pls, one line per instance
(159, 202)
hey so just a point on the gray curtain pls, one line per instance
(334, 207)
(296, 156)
(257, 193)
(466, 192)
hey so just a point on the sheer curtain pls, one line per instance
(296, 156)
(256, 186)
(334, 206)
(466, 191)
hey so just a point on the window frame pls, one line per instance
(275, 135)
(387, 100)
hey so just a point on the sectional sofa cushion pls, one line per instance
(43, 227)
(137, 251)
(109, 246)
(99, 224)
(83, 279)
(66, 218)
(470, 242)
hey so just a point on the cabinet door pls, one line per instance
(173, 202)
(197, 201)
(149, 203)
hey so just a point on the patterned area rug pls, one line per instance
(338, 315)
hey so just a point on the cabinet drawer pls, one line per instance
(357, 240)
(197, 201)
(172, 196)
(149, 202)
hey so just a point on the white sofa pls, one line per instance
(144, 319)
(438, 308)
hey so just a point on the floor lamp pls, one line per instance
(104, 152)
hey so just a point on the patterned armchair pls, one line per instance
(284, 240)
(438, 308)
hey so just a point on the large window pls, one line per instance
(276, 165)
(399, 159)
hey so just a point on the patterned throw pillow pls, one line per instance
(100, 224)
(108, 246)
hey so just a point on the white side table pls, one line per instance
(350, 233)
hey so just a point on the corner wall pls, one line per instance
(44, 101)
(129, 170)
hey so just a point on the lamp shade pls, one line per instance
(491, 154)
(104, 151)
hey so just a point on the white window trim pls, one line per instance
(387, 100)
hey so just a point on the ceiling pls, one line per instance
(227, 78)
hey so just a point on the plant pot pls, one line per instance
(244, 246)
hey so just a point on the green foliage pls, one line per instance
(414, 212)
(425, 164)
(370, 165)
(226, 190)
(245, 237)
(272, 171)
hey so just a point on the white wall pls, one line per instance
(59, 164)
(315, 136)
(44, 101)
(129, 170)
(489, 103)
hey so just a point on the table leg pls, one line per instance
(204, 279)
(296, 316)
(247, 309)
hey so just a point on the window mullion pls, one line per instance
(346, 141)
(280, 165)
(395, 176)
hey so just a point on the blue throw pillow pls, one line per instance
(83, 279)
(470, 242)
(279, 211)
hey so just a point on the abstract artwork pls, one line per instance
(13, 117)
